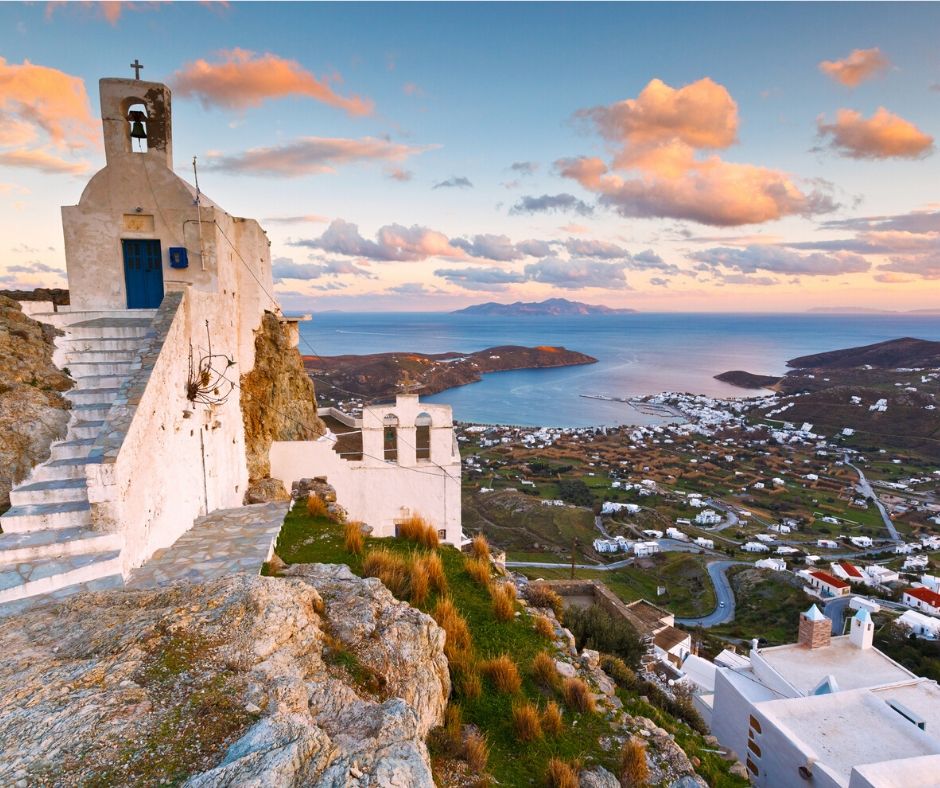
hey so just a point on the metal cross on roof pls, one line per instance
(137, 67)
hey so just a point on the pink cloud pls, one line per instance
(243, 79)
(41, 160)
(882, 136)
(656, 170)
(311, 156)
(859, 66)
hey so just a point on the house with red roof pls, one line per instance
(922, 599)
(824, 584)
(846, 571)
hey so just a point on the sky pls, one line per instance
(423, 157)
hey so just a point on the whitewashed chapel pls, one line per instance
(156, 437)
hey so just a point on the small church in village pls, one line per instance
(172, 416)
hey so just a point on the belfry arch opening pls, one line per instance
(423, 436)
(137, 126)
(390, 425)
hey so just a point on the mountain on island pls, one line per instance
(552, 306)
(905, 352)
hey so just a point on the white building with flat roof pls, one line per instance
(829, 711)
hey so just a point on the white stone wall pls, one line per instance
(377, 492)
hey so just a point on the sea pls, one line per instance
(638, 354)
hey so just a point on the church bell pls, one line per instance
(136, 117)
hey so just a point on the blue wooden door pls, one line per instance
(143, 273)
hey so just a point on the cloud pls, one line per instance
(524, 167)
(414, 289)
(399, 174)
(578, 273)
(551, 203)
(456, 182)
(922, 266)
(36, 268)
(311, 156)
(284, 268)
(859, 66)
(43, 161)
(490, 247)
(575, 229)
(310, 218)
(659, 282)
(780, 260)
(243, 79)
(394, 242)
(745, 279)
(590, 248)
(882, 136)
(481, 278)
(657, 138)
(535, 248)
(923, 221)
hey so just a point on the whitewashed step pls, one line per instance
(57, 543)
(65, 317)
(55, 491)
(80, 370)
(104, 583)
(84, 429)
(95, 412)
(74, 356)
(71, 449)
(29, 578)
(104, 344)
(120, 327)
(99, 382)
(92, 396)
(60, 469)
(39, 516)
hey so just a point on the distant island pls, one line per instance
(747, 380)
(552, 306)
(380, 375)
(864, 310)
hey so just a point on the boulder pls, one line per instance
(265, 491)
(597, 777)
(317, 678)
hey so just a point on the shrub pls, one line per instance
(552, 722)
(478, 569)
(353, 538)
(418, 580)
(458, 640)
(526, 722)
(476, 752)
(447, 738)
(544, 627)
(542, 595)
(434, 569)
(578, 695)
(561, 774)
(480, 547)
(634, 771)
(593, 627)
(544, 670)
(417, 529)
(390, 568)
(504, 601)
(317, 507)
(619, 671)
(504, 674)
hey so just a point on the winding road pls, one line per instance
(865, 488)
(717, 571)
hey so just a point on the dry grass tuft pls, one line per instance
(353, 538)
(418, 580)
(479, 570)
(434, 569)
(417, 529)
(544, 627)
(634, 771)
(470, 685)
(561, 774)
(391, 569)
(504, 601)
(458, 642)
(480, 547)
(504, 674)
(476, 752)
(543, 595)
(526, 722)
(544, 670)
(552, 722)
(317, 507)
(578, 696)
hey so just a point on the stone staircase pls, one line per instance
(48, 547)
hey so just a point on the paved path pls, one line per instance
(224, 543)
(717, 571)
(866, 489)
(834, 609)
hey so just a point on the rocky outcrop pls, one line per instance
(319, 678)
(278, 400)
(33, 413)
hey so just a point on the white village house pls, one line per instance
(155, 276)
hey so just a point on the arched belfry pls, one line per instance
(122, 97)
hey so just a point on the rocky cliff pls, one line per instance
(277, 398)
(33, 413)
(320, 678)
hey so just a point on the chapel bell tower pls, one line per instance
(136, 117)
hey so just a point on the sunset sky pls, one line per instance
(671, 157)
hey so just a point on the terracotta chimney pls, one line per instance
(815, 629)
